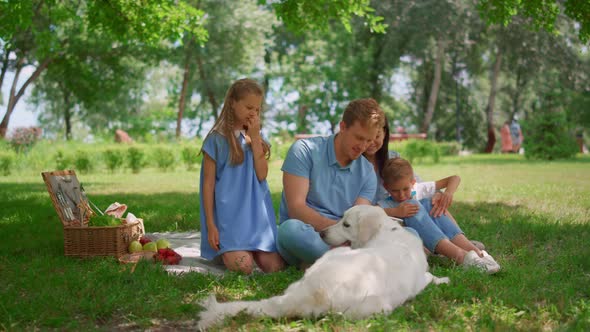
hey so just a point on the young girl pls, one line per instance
(237, 217)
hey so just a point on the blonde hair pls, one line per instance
(396, 169)
(225, 122)
(366, 111)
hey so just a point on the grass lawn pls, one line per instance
(534, 218)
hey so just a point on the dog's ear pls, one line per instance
(368, 226)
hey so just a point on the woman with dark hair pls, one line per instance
(378, 153)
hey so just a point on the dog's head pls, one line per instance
(359, 224)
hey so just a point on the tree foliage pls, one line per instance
(308, 15)
(542, 14)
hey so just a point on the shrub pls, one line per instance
(164, 158)
(113, 159)
(82, 162)
(418, 149)
(7, 159)
(23, 138)
(280, 147)
(190, 156)
(449, 148)
(547, 137)
(62, 161)
(135, 159)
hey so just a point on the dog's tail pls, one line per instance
(215, 312)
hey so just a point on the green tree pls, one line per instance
(544, 14)
(235, 48)
(35, 33)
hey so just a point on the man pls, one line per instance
(516, 134)
(322, 178)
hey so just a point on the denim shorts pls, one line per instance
(430, 229)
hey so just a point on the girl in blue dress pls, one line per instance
(237, 217)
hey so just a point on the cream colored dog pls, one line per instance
(384, 267)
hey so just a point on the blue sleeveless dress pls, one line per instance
(243, 209)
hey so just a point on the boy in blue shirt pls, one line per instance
(412, 202)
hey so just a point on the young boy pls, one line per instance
(411, 201)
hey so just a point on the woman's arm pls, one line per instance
(442, 202)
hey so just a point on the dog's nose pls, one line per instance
(322, 234)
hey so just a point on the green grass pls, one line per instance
(534, 217)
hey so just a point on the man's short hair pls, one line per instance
(366, 111)
(396, 169)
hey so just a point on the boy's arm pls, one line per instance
(442, 202)
(403, 210)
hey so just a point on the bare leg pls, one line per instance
(240, 261)
(464, 243)
(269, 261)
(450, 250)
(473, 244)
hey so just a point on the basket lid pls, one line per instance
(68, 197)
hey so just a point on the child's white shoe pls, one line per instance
(489, 257)
(488, 266)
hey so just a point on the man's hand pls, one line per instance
(407, 209)
(440, 203)
(213, 237)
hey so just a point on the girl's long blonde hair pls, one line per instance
(225, 122)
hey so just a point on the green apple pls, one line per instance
(150, 246)
(135, 246)
(163, 244)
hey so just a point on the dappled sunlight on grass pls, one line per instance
(533, 218)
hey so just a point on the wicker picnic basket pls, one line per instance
(74, 211)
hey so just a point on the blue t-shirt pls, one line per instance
(332, 188)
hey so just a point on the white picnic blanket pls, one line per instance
(188, 244)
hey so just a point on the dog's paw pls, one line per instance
(443, 280)
(209, 302)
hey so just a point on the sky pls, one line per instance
(22, 116)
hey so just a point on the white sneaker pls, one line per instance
(478, 244)
(489, 257)
(471, 259)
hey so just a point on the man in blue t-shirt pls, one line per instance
(322, 178)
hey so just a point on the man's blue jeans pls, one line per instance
(298, 242)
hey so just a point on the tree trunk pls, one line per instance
(457, 100)
(68, 116)
(210, 93)
(435, 86)
(376, 69)
(301, 123)
(15, 96)
(183, 91)
(4, 65)
(491, 101)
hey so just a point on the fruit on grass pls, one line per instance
(150, 246)
(168, 256)
(135, 246)
(163, 243)
(144, 239)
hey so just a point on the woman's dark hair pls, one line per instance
(382, 154)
